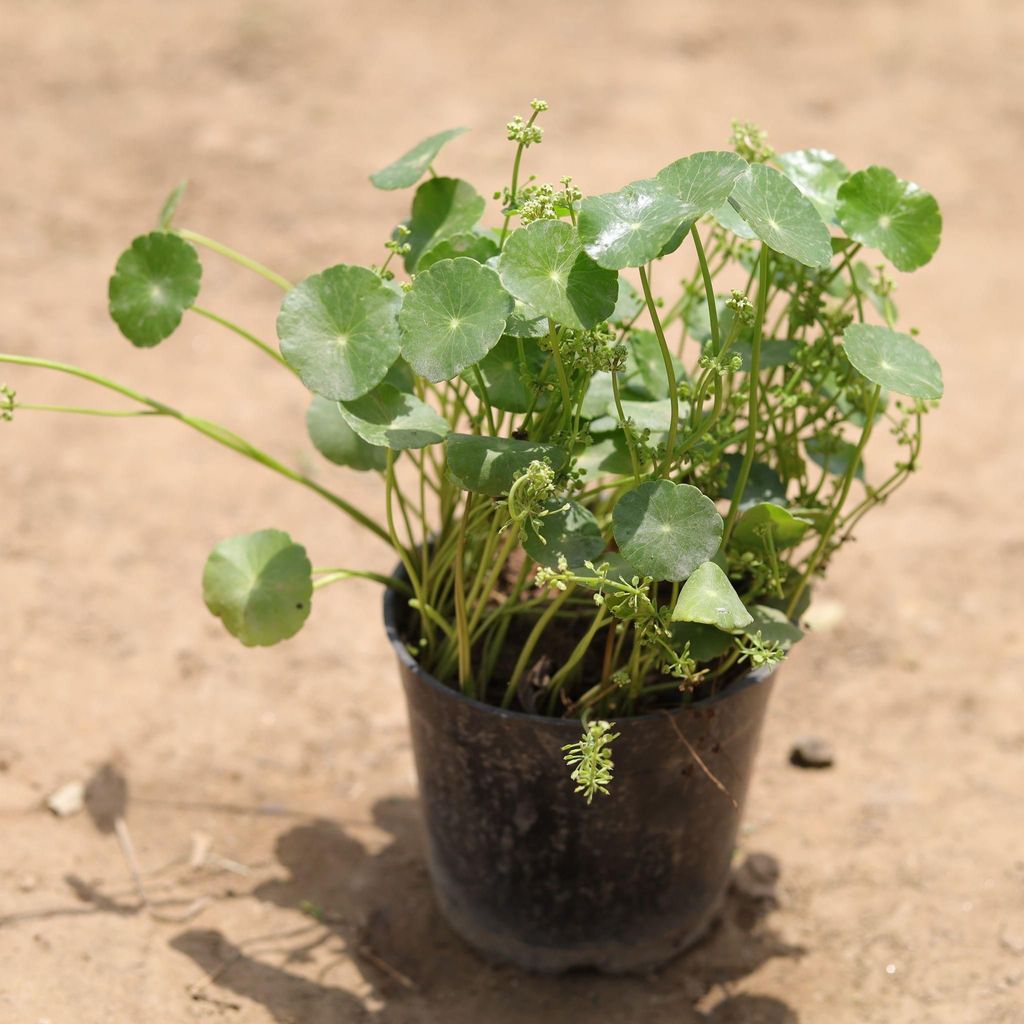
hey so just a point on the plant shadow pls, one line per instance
(373, 910)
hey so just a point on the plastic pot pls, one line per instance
(527, 873)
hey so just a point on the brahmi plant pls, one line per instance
(605, 501)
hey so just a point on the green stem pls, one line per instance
(830, 527)
(214, 431)
(753, 378)
(325, 577)
(670, 373)
(237, 257)
(242, 333)
(633, 461)
(709, 288)
(531, 642)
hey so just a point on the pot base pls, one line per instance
(607, 957)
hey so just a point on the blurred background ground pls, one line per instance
(901, 899)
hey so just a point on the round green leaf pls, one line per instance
(609, 454)
(410, 167)
(818, 174)
(773, 626)
(441, 208)
(630, 227)
(259, 585)
(833, 454)
(666, 530)
(759, 521)
(627, 305)
(465, 243)
(880, 210)
(339, 331)
(729, 219)
(508, 370)
(544, 265)
(706, 642)
(653, 416)
(763, 483)
(488, 465)
(453, 316)
(702, 181)
(154, 282)
(708, 597)
(525, 321)
(894, 360)
(394, 419)
(783, 218)
(569, 531)
(335, 440)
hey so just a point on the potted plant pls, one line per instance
(609, 508)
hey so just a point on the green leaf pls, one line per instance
(630, 227)
(154, 282)
(833, 454)
(170, 207)
(653, 416)
(758, 521)
(706, 642)
(773, 626)
(818, 174)
(703, 181)
(259, 585)
(645, 366)
(732, 221)
(394, 419)
(526, 322)
(411, 166)
(453, 316)
(775, 352)
(506, 378)
(465, 243)
(339, 331)
(782, 217)
(335, 440)
(441, 208)
(544, 265)
(627, 305)
(894, 360)
(880, 210)
(763, 483)
(488, 465)
(568, 531)
(708, 597)
(666, 530)
(606, 455)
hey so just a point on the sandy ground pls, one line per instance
(901, 898)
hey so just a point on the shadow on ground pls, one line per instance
(375, 909)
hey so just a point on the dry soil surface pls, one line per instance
(901, 899)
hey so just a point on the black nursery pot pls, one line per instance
(528, 873)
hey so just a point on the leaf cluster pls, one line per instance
(606, 497)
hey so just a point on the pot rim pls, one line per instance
(392, 599)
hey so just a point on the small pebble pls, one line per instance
(67, 800)
(757, 877)
(27, 883)
(812, 752)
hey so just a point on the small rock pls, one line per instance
(757, 877)
(812, 752)
(67, 800)
(27, 883)
(1012, 938)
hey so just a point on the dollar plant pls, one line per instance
(605, 497)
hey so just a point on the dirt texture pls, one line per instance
(276, 786)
